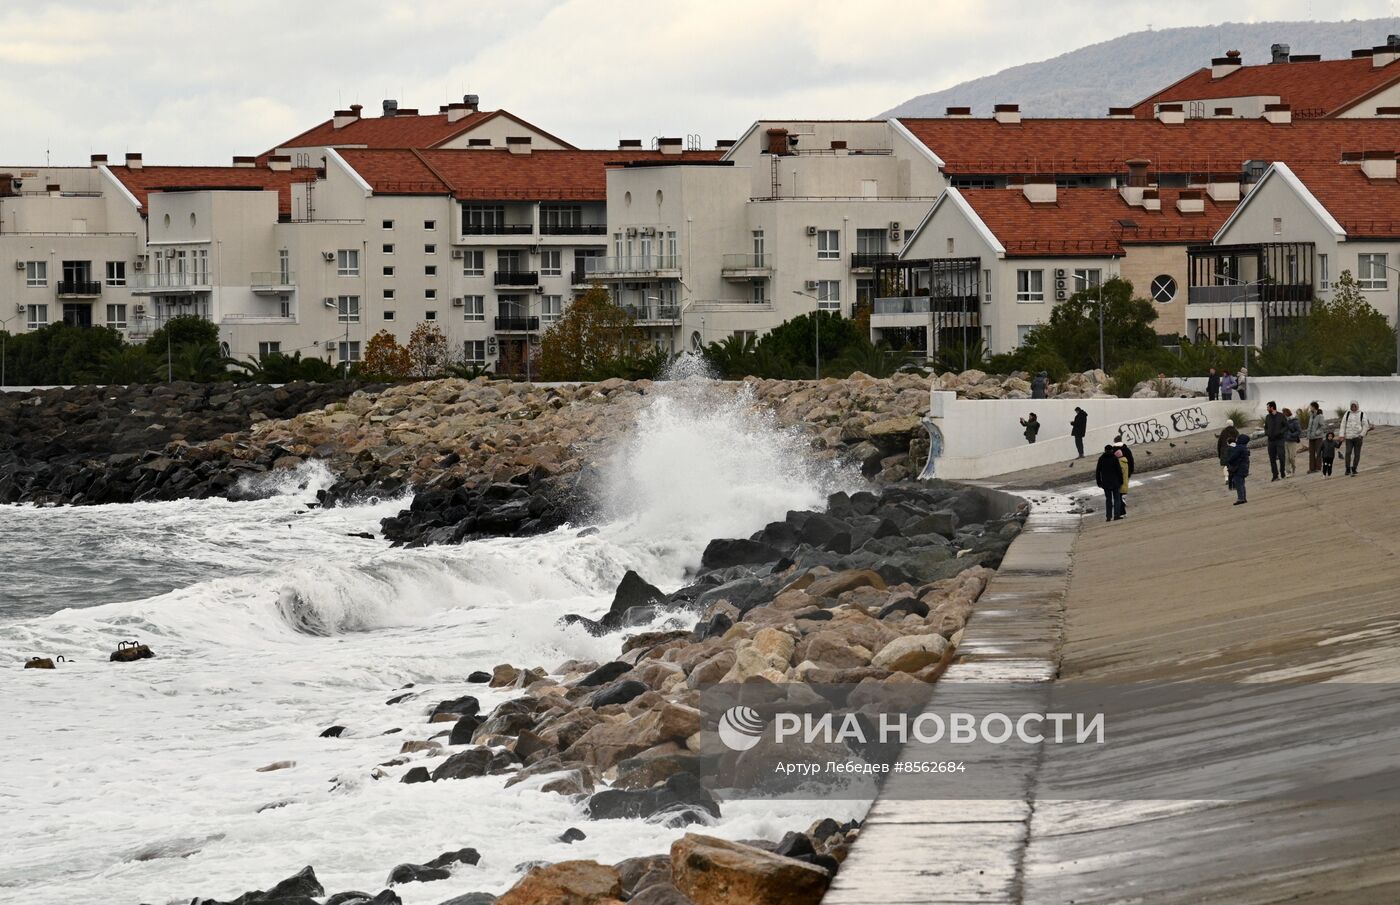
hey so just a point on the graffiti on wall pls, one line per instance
(1150, 430)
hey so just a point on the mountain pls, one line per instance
(1123, 71)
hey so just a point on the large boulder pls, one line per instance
(679, 793)
(719, 872)
(565, 883)
(725, 552)
(911, 653)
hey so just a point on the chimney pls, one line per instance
(1039, 188)
(391, 107)
(723, 144)
(133, 161)
(1305, 58)
(343, 118)
(1378, 165)
(456, 112)
(1386, 53)
(1007, 114)
(281, 163)
(472, 102)
(958, 112)
(1278, 114)
(1171, 114)
(629, 144)
(669, 145)
(1360, 52)
(1223, 112)
(1120, 112)
(778, 142)
(1386, 112)
(1278, 53)
(1150, 200)
(1351, 157)
(244, 162)
(99, 160)
(1223, 66)
(1189, 201)
(478, 142)
(518, 144)
(407, 111)
(1223, 187)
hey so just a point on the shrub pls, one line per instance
(1125, 379)
(1237, 417)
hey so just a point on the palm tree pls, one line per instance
(201, 363)
(734, 356)
(127, 365)
(874, 359)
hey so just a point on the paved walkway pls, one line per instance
(1303, 582)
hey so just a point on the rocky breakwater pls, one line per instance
(974, 384)
(873, 592)
(490, 457)
(94, 444)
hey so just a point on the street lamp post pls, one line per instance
(1103, 364)
(816, 331)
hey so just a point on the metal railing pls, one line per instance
(498, 229)
(868, 259)
(631, 264)
(746, 262)
(923, 304)
(648, 313)
(259, 279)
(516, 323)
(149, 281)
(79, 287)
(573, 229)
(1262, 292)
(517, 278)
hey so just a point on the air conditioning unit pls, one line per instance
(811, 284)
(649, 231)
(138, 265)
(19, 309)
(811, 230)
(19, 265)
(458, 302)
(328, 255)
(894, 235)
(139, 310)
(328, 301)
(1061, 295)
(631, 230)
(170, 252)
(894, 226)
(534, 249)
(1059, 273)
(330, 345)
(458, 254)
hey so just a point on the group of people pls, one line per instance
(1284, 433)
(1225, 385)
(1111, 474)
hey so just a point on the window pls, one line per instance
(348, 309)
(36, 316)
(758, 294)
(430, 270)
(116, 273)
(116, 317)
(387, 248)
(474, 308)
(1370, 271)
(199, 266)
(36, 274)
(1323, 276)
(828, 245)
(269, 348)
(552, 308)
(1163, 289)
(508, 261)
(759, 247)
(430, 294)
(869, 188)
(551, 262)
(581, 256)
(347, 262)
(474, 351)
(430, 224)
(388, 271)
(482, 219)
(284, 267)
(388, 314)
(559, 217)
(986, 285)
(950, 246)
(872, 241)
(1278, 226)
(389, 295)
(285, 307)
(430, 249)
(1022, 331)
(473, 263)
(1030, 285)
(429, 315)
(1085, 278)
(349, 351)
(828, 295)
(744, 335)
(388, 224)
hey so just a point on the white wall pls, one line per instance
(1379, 396)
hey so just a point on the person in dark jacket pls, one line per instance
(1212, 385)
(1327, 453)
(1039, 385)
(1032, 426)
(1224, 444)
(1239, 467)
(1108, 475)
(1127, 453)
(1078, 427)
(1276, 431)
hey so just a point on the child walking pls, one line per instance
(1329, 453)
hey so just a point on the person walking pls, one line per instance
(1127, 453)
(1275, 429)
(1108, 475)
(1224, 444)
(1292, 436)
(1040, 384)
(1212, 385)
(1125, 470)
(1032, 427)
(1241, 381)
(1316, 431)
(1227, 386)
(1239, 467)
(1329, 453)
(1078, 427)
(1353, 427)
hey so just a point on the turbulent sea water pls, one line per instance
(126, 783)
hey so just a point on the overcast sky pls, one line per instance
(197, 81)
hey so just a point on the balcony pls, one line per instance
(866, 260)
(1278, 275)
(161, 283)
(513, 323)
(746, 267)
(272, 282)
(606, 268)
(924, 305)
(580, 279)
(573, 229)
(653, 314)
(498, 229)
(77, 289)
(516, 278)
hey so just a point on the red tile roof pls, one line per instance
(1085, 222)
(1088, 146)
(149, 179)
(1364, 208)
(492, 174)
(1315, 88)
(402, 131)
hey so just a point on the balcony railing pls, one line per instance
(1234, 294)
(573, 229)
(746, 262)
(864, 260)
(271, 281)
(923, 304)
(629, 264)
(498, 229)
(168, 282)
(79, 287)
(579, 278)
(652, 313)
(517, 278)
(512, 323)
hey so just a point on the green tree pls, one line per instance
(183, 330)
(200, 362)
(127, 365)
(1072, 332)
(733, 357)
(57, 354)
(792, 344)
(875, 359)
(277, 367)
(1342, 335)
(590, 341)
